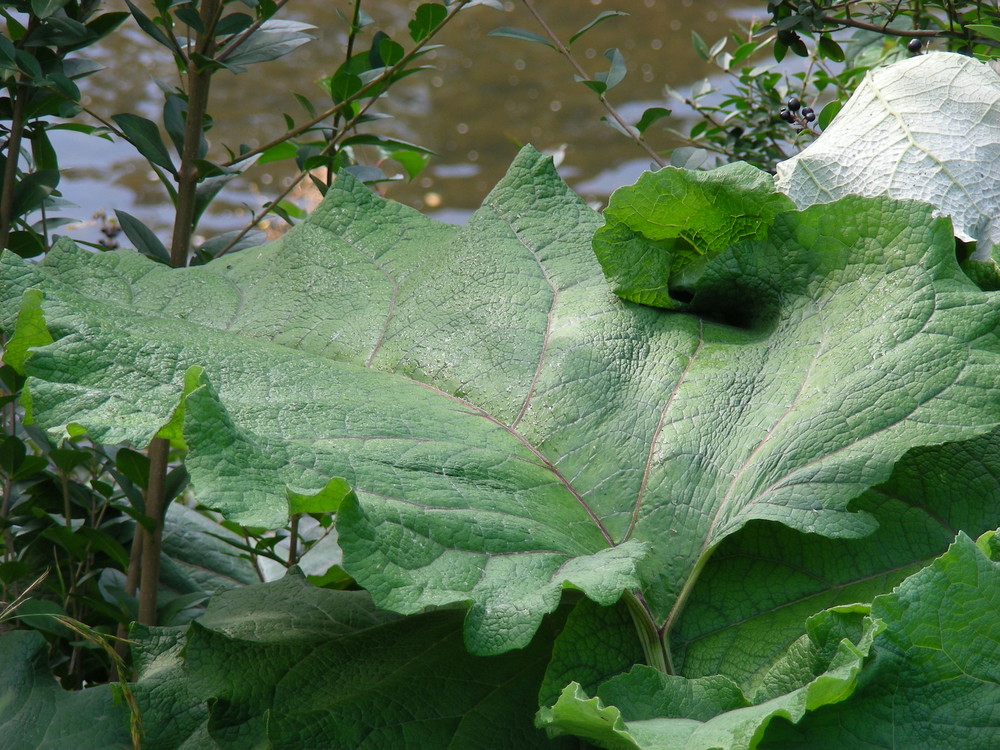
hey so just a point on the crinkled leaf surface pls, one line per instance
(936, 681)
(762, 583)
(648, 710)
(286, 665)
(927, 128)
(37, 714)
(659, 233)
(509, 426)
(746, 612)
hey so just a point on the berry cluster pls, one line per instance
(795, 114)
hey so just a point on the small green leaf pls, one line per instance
(616, 73)
(699, 45)
(427, 18)
(391, 52)
(414, 162)
(33, 189)
(149, 27)
(830, 49)
(145, 136)
(26, 243)
(990, 31)
(527, 36)
(271, 41)
(68, 459)
(12, 453)
(174, 114)
(142, 237)
(133, 465)
(278, 152)
(651, 115)
(42, 152)
(189, 16)
(343, 86)
(371, 139)
(603, 16)
(45, 8)
(827, 114)
(717, 48)
(234, 23)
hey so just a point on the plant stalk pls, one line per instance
(199, 84)
(22, 91)
(654, 645)
(149, 577)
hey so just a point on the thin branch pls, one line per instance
(563, 50)
(363, 91)
(883, 29)
(159, 449)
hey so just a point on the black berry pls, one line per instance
(793, 104)
(785, 115)
(914, 45)
(807, 114)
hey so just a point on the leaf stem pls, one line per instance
(685, 594)
(199, 83)
(654, 645)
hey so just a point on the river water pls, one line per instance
(485, 97)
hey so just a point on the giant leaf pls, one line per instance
(285, 665)
(509, 426)
(933, 681)
(37, 714)
(659, 232)
(932, 494)
(648, 710)
(927, 128)
(936, 681)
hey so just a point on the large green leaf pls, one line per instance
(927, 128)
(509, 426)
(285, 665)
(659, 233)
(932, 493)
(648, 710)
(762, 583)
(37, 714)
(920, 671)
(936, 681)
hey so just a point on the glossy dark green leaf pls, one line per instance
(142, 237)
(33, 189)
(144, 134)
(149, 27)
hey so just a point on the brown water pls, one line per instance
(485, 97)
